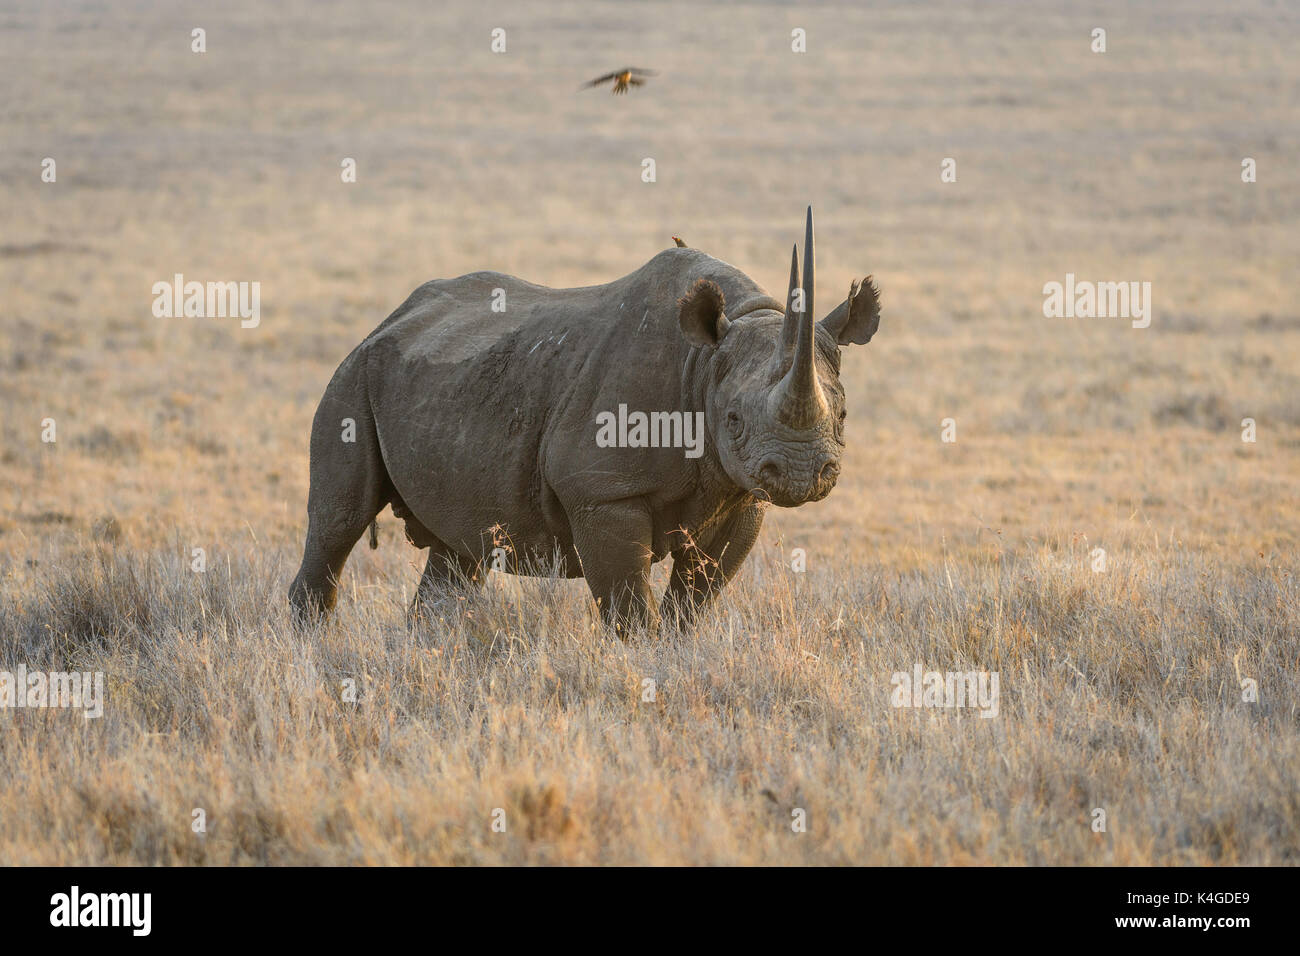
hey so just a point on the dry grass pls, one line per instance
(1120, 690)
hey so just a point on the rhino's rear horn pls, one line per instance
(790, 327)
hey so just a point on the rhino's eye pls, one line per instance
(733, 424)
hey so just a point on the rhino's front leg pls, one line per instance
(614, 543)
(700, 572)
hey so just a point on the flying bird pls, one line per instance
(623, 79)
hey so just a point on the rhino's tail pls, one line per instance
(374, 534)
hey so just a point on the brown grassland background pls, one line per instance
(1119, 690)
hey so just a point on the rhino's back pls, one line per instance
(456, 321)
(453, 321)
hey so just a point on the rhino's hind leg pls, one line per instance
(349, 487)
(329, 542)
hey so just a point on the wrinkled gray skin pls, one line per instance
(480, 428)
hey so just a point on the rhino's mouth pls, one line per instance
(784, 499)
(785, 494)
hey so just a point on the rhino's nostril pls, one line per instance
(769, 473)
(830, 471)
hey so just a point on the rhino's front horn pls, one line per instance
(807, 269)
(798, 396)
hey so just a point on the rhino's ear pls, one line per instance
(856, 319)
(700, 313)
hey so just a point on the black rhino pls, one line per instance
(475, 410)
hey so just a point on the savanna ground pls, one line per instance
(1120, 689)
